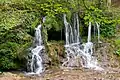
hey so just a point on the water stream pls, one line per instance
(98, 29)
(35, 63)
(78, 54)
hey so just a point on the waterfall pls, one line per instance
(78, 35)
(89, 32)
(66, 29)
(69, 31)
(78, 54)
(71, 34)
(35, 64)
(98, 29)
(75, 30)
(38, 37)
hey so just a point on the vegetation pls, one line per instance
(18, 19)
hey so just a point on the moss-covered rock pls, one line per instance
(55, 52)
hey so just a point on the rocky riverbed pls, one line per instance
(58, 74)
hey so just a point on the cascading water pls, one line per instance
(78, 54)
(35, 63)
(98, 29)
(75, 30)
(78, 39)
(66, 30)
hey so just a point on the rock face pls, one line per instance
(44, 56)
(106, 56)
(116, 3)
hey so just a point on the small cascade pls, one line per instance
(89, 32)
(75, 30)
(35, 63)
(78, 54)
(78, 35)
(66, 29)
(98, 29)
(71, 34)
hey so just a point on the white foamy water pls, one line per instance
(36, 62)
(74, 49)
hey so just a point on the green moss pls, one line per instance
(56, 52)
(117, 42)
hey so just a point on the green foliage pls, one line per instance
(117, 41)
(106, 20)
(7, 56)
(18, 19)
(15, 34)
(108, 28)
(93, 14)
(55, 52)
(51, 8)
(117, 52)
(53, 22)
(10, 53)
(117, 45)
